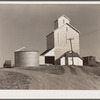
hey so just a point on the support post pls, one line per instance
(70, 39)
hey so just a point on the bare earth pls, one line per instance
(59, 78)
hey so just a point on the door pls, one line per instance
(49, 60)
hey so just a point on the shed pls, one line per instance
(26, 57)
(89, 60)
(7, 64)
(66, 59)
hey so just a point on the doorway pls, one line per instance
(49, 60)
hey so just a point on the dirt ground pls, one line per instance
(61, 78)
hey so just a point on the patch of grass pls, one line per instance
(13, 80)
(91, 70)
(52, 69)
(72, 70)
(96, 71)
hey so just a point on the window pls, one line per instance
(67, 29)
(63, 21)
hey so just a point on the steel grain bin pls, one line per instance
(26, 57)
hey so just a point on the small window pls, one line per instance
(63, 21)
(67, 29)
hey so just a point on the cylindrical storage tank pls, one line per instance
(27, 58)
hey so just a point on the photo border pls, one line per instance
(49, 94)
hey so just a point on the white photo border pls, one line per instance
(49, 94)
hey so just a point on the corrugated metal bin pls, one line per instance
(26, 57)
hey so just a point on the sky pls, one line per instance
(28, 24)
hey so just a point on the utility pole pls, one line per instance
(70, 39)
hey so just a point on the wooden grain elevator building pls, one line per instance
(58, 44)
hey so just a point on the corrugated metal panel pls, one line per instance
(26, 58)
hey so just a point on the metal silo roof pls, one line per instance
(25, 49)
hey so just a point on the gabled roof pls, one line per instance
(46, 52)
(25, 49)
(50, 34)
(66, 17)
(73, 27)
(63, 25)
(69, 54)
(62, 16)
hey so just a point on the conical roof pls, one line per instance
(25, 49)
